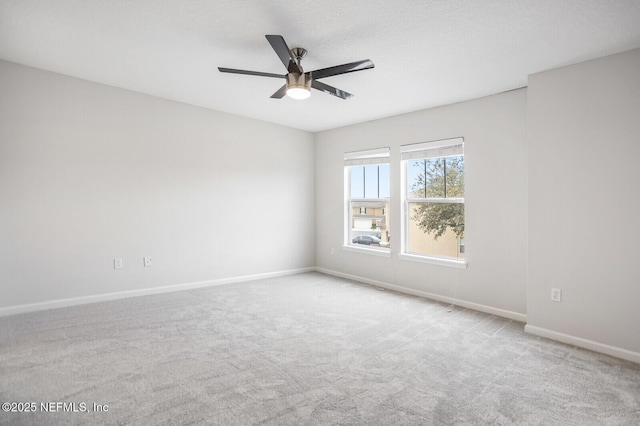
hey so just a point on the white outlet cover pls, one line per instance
(147, 261)
(117, 263)
(556, 294)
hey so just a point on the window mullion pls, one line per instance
(436, 200)
(378, 176)
(425, 177)
(444, 178)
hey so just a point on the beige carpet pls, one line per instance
(307, 349)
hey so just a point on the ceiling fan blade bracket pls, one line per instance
(294, 68)
(284, 53)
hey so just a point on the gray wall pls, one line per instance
(90, 172)
(494, 130)
(584, 194)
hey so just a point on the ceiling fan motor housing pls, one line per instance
(298, 81)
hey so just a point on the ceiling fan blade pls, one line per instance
(258, 73)
(284, 53)
(342, 69)
(330, 90)
(280, 92)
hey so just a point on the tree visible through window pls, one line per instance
(439, 178)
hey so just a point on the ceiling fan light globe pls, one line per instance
(300, 92)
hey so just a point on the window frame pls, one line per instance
(378, 156)
(440, 149)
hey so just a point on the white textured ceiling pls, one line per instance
(426, 52)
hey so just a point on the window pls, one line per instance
(433, 204)
(367, 199)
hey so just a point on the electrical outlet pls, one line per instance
(147, 262)
(556, 294)
(117, 263)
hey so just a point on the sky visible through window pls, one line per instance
(370, 181)
(418, 180)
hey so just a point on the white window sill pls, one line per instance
(452, 263)
(372, 251)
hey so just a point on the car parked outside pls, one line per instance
(369, 240)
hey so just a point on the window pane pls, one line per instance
(383, 170)
(426, 177)
(436, 229)
(371, 181)
(434, 172)
(415, 179)
(357, 181)
(455, 176)
(371, 228)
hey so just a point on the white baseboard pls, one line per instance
(450, 300)
(61, 303)
(584, 343)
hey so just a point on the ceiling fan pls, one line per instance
(299, 83)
